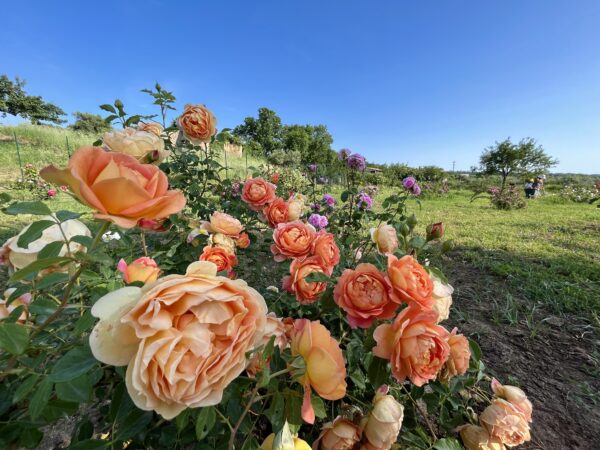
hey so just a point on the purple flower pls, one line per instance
(312, 167)
(364, 199)
(416, 189)
(329, 200)
(409, 182)
(356, 162)
(318, 221)
(343, 154)
(315, 207)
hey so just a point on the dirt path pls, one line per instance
(558, 365)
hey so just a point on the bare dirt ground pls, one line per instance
(557, 364)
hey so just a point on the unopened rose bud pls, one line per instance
(435, 231)
(411, 221)
(404, 230)
(143, 269)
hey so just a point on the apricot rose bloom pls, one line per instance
(220, 257)
(292, 240)
(325, 369)
(385, 238)
(184, 338)
(276, 212)
(225, 242)
(366, 295)
(410, 280)
(137, 143)
(504, 422)
(197, 124)
(341, 434)
(243, 241)
(458, 359)
(415, 345)
(324, 246)
(151, 127)
(515, 396)
(22, 300)
(258, 193)
(442, 298)
(223, 223)
(117, 186)
(306, 292)
(383, 422)
(143, 269)
(475, 437)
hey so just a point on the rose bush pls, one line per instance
(229, 321)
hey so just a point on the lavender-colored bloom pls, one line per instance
(356, 162)
(318, 221)
(315, 207)
(329, 200)
(364, 199)
(409, 182)
(312, 167)
(416, 189)
(343, 154)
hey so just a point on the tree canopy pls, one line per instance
(89, 123)
(15, 101)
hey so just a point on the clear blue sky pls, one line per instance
(422, 82)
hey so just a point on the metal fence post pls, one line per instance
(68, 147)
(19, 155)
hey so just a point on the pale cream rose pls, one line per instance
(341, 434)
(16, 257)
(385, 238)
(504, 422)
(296, 206)
(23, 300)
(223, 223)
(442, 295)
(514, 395)
(223, 241)
(476, 438)
(193, 332)
(151, 127)
(136, 143)
(382, 425)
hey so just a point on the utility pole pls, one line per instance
(453, 163)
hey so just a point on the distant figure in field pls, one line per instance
(529, 189)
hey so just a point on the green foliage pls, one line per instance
(89, 123)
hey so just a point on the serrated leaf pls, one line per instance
(63, 215)
(34, 208)
(34, 232)
(36, 266)
(77, 390)
(40, 398)
(51, 250)
(25, 387)
(73, 364)
(205, 422)
(14, 338)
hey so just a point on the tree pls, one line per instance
(89, 123)
(264, 130)
(15, 101)
(505, 158)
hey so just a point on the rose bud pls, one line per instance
(435, 231)
(341, 434)
(504, 422)
(383, 424)
(476, 438)
(243, 241)
(514, 395)
(143, 269)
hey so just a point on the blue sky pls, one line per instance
(420, 82)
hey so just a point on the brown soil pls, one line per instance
(558, 367)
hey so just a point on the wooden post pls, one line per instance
(19, 155)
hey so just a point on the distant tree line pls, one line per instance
(16, 102)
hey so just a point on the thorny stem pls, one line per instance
(143, 239)
(237, 425)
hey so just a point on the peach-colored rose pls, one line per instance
(225, 242)
(458, 360)
(382, 426)
(385, 238)
(223, 223)
(324, 246)
(184, 338)
(151, 127)
(274, 327)
(220, 257)
(504, 422)
(306, 292)
(442, 298)
(197, 124)
(296, 204)
(341, 434)
(276, 212)
(144, 146)
(515, 396)
(477, 438)
(243, 241)
(366, 295)
(292, 240)
(325, 369)
(415, 345)
(258, 193)
(143, 269)
(410, 280)
(121, 189)
(23, 300)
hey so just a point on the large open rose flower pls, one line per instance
(366, 295)
(341, 434)
(184, 338)
(458, 359)
(276, 212)
(121, 189)
(325, 369)
(220, 222)
(220, 257)
(505, 422)
(385, 238)
(257, 193)
(197, 123)
(16, 257)
(306, 292)
(151, 127)
(324, 246)
(137, 143)
(515, 396)
(292, 240)
(415, 345)
(477, 438)
(410, 280)
(23, 300)
(382, 426)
